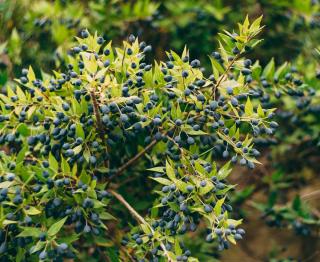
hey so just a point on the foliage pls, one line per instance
(62, 132)
(80, 143)
(46, 27)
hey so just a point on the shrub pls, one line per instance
(79, 143)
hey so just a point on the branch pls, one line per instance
(99, 123)
(313, 194)
(135, 158)
(129, 207)
(213, 93)
(131, 161)
(139, 218)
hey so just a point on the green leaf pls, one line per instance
(76, 107)
(256, 70)
(32, 211)
(256, 23)
(227, 40)
(200, 168)
(145, 228)
(248, 108)
(30, 232)
(79, 131)
(20, 94)
(23, 129)
(55, 228)
(8, 222)
(31, 110)
(162, 180)
(218, 207)
(177, 248)
(6, 184)
(31, 75)
(65, 166)
(281, 71)
(107, 216)
(20, 256)
(74, 170)
(86, 155)
(70, 238)
(232, 130)
(182, 186)
(90, 63)
(84, 177)
(224, 171)
(21, 154)
(260, 111)
(195, 132)
(97, 203)
(268, 71)
(40, 245)
(231, 239)
(170, 171)
(54, 165)
(216, 68)
(204, 190)
(158, 169)
(77, 149)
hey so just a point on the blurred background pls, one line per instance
(278, 200)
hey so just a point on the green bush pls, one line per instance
(117, 156)
(73, 138)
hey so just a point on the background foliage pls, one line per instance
(282, 192)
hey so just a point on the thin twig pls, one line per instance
(227, 70)
(311, 257)
(135, 158)
(213, 93)
(313, 194)
(139, 218)
(99, 123)
(131, 161)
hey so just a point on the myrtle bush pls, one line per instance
(73, 142)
